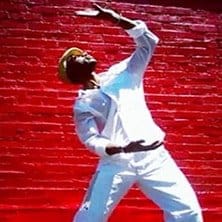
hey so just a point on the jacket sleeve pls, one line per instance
(88, 133)
(146, 42)
(135, 64)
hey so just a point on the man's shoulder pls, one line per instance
(116, 69)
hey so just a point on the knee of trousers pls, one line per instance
(89, 215)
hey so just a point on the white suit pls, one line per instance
(117, 114)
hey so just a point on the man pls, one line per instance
(112, 120)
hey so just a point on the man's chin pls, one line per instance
(92, 65)
(93, 61)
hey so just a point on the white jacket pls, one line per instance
(123, 83)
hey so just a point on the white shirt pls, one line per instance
(117, 112)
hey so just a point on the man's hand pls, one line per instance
(106, 13)
(138, 147)
(114, 16)
(132, 147)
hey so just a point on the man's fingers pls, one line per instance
(98, 7)
(155, 145)
(136, 146)
(139, 141)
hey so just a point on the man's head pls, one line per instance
(76, 66)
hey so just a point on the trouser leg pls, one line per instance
(167, 186)
(107, 187)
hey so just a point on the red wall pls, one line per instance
(44, 170)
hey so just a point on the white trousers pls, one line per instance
(160, 179)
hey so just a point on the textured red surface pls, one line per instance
(44, 170)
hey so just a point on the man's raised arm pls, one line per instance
(145, 40)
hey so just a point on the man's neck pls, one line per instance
(92, 83)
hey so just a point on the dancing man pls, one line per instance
(113, 121)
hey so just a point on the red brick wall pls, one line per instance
(44, 170)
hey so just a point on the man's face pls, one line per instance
(85, 58)
(81, 67)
